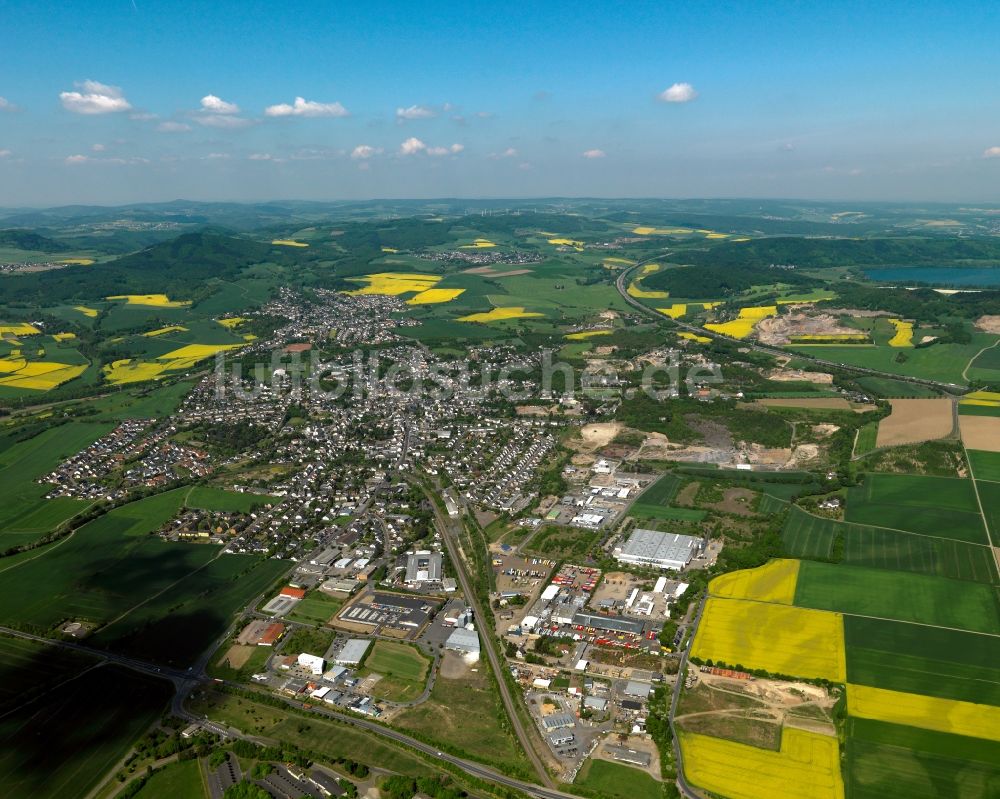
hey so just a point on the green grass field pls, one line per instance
(208, 498)
(895, 389)
(989, 494)
(807, 536)
(978, 410)
(316, 608)
(403, 670)
(22, 462)
(171, 599)
(64, 743)
(315, 734)
(464, 713)
(615, 779)
(28, 668)
(938, 506)
(560, 543)
(889, 761)
(181, 779)
(898, 595)
(985, 465)
(865, 441)
(951, 664)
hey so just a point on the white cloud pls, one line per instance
(7, 105)
(216, 105)
(216, 157)
(411, 146)
(264, 157)
(223, 121)
(98, 148)
(991, 152)
(594, 153)
(5, 153)
(94, 98)
(484, 115)
(510, 152)
(173, 127)
(77, 159)
(678, 93)
(306, 108)
(415, 112)
(364, 151)
(524, 166)
(143, 116)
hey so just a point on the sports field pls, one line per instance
(63, 744)
(938, 506)
(316, 608)
(927, 712)
(773, 582)
(181, 779)
(209, 498)
(890, 761)
(807, 767)
(776, 638)
(902, 596)
(950, 664)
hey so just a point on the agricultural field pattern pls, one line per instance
(616, 499)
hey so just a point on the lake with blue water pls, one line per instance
(970, 277)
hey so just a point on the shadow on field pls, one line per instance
(57, 740)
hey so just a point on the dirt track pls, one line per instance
(916, 420)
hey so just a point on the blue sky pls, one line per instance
(113, 102)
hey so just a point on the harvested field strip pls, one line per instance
(889, 761)
(916, 420)
(807, 767)
(949, 664)
(773, 582)
(981, 432)
(779, 639)
(903, 596)
(926, 712)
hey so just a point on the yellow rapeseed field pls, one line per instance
(624, 261)
(478, 244)
(635, 291)
(499, 314)
(695, 337)
(675, 311)
(432, 296)
(231, 322)
(661, 231)
(152, 300)
(19, 329)
(904, 333)
(743, 325)
(164, 330)
(394, 283)
(289, 243)
(781, 639)
(832, 337)
(585, 334)
(989, 399)
(927, 712)
(37, 376)
(76, 261)
(91, 312)
(807, 767)
(773, 582)
(390, 250)
(64, 336)
(127, 371)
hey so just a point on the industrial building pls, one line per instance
(464, 641)
(353, 652)
(660, 550)
(423, 567)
